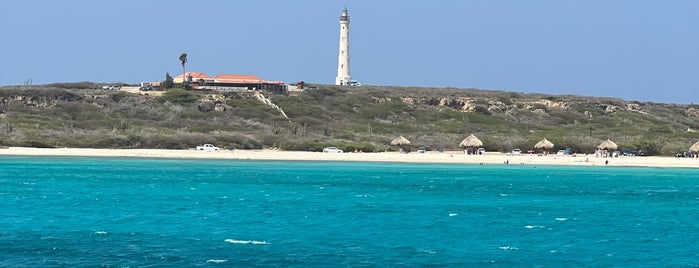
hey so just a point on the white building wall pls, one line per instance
(343, 62)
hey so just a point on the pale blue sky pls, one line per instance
(635, 50)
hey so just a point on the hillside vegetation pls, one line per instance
(351, 118)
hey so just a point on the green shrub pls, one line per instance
(295, 107)
(75, 85)
(363, 118)
(313, 146)
(253, 109)
(115, 142)
(36, 143)
(116, 97)
(179, 96)
(210, 128)
(480, 109)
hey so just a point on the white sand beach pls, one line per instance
(453, 157)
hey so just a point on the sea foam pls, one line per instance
(254, 242)
(533, 226)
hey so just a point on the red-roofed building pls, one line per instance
(238, 78)
(231, 82)
(192, 77)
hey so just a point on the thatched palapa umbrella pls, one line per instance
(401, 142)
(544, 145)
(607, 145)
(695, 147)
(470, 142)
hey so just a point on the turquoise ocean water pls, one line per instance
(127, 212)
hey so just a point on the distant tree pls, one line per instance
(169, 82)
(183, 60)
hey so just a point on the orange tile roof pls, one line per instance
(195, 75)
(228, 78)
(238, 78)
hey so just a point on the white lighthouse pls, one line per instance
(343, 63)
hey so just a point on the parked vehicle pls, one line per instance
(355, 83)
(481, 150)
(634, 153)
(567, 151)
(684, 154)
(421, 150)
(111, 87)
(516, 151)
(207, 147)
(332, 150)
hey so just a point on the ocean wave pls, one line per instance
(533, 226)
(100, 232)
(660, 191)
(508, 248)
(561, 219)
(216, 261)
(427, 251)
(453, 214)
(254, 242)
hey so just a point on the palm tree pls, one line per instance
(183, 59)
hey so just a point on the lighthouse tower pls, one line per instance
(343, 62)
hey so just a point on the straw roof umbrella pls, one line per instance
(401, 142)
(607, 145)
(544, 144)
(695, 147)
(471, 142)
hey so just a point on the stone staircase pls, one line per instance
(267, 101)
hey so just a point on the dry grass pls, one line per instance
(365, 118)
